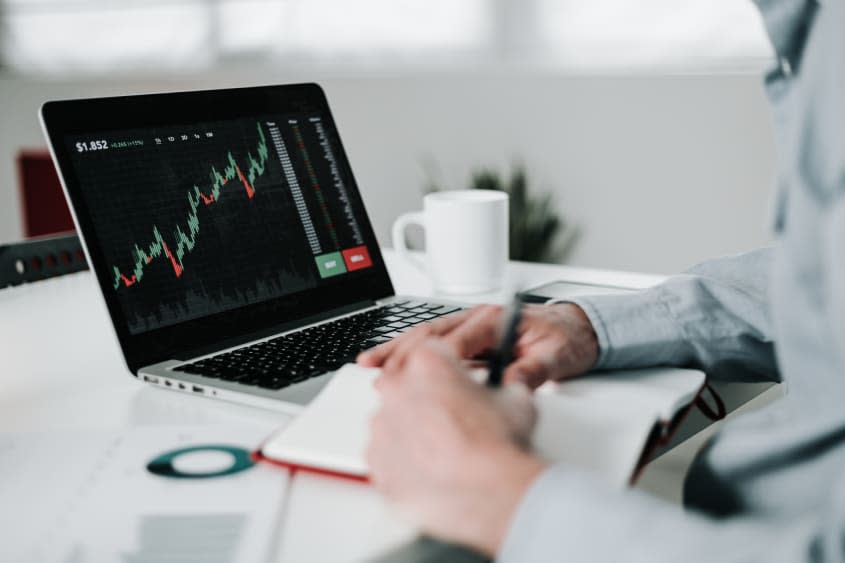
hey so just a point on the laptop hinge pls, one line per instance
(276, 329)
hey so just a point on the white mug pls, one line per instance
(466, 239)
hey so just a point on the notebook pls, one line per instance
(601, 422)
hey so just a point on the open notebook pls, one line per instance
(601, 422)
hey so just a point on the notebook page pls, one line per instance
(332, 432)
(599, 423)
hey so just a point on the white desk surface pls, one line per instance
(62, 370)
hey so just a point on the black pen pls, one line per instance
(510, 332)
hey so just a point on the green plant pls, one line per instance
(535, 226)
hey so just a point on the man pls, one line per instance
(771, 486)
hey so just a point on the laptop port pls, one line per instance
(167, 382)
(197, 389)
(150, 379)
(182, 386)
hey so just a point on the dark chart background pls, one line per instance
(184, 243)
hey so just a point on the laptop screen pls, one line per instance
(199, 218)
(212, 218)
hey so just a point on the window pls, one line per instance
(57, 36)
(381, 26)
(95, 36)
(644, 33)
(100, 35)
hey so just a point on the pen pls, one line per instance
(504, 354)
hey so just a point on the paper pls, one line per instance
(339, 521)
(88, 497)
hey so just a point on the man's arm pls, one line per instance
(453, 455)
(714, 316)
(588, 522)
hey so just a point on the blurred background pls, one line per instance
(646, 120)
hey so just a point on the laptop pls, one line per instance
(229, 239)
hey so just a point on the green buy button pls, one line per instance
(330, 265)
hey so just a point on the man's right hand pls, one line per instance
(555, 342)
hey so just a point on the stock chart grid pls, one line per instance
(204, 218)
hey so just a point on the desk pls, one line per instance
(62, 370)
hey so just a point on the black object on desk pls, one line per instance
(510, 332)
(563, 289)
(40, 258)
(425, 549)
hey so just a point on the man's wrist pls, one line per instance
(512, 472)
(583, 349)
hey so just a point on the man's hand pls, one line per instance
(555, 342)
(449, 451)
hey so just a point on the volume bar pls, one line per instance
(296, 191)
(338, 181)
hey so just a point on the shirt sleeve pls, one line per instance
(589, 522)
(715, 317)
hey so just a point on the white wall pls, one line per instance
(660, 171)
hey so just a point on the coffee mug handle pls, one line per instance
(399, 244)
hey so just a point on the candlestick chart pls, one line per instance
(199, 219)
(185, 243)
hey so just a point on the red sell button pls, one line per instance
(357, 258)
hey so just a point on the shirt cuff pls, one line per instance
(567, 515)
(634, 330)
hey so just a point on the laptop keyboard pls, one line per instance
(296, 357)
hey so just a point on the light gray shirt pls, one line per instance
(776, 476)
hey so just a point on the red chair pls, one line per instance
(43, 206)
